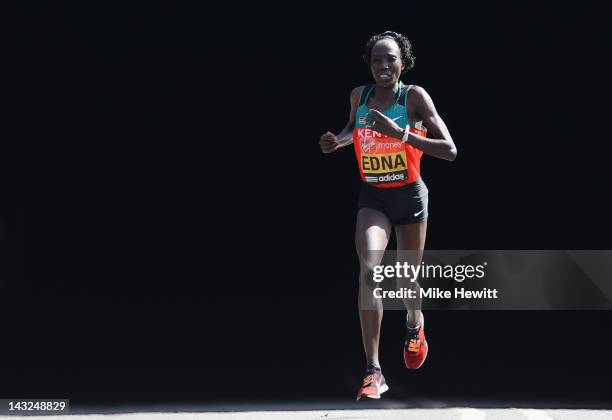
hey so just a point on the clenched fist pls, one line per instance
(329, 142)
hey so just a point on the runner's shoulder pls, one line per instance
(356, 94)
(417, 91)
(418, 96)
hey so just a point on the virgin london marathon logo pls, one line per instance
(368, 144)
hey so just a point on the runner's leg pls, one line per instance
(371, 234)
(411, 237)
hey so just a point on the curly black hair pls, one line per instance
(404, 44)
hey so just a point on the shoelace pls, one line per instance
(412, 339)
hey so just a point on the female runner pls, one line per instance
(388, 125)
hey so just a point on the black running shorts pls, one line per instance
(402, 205)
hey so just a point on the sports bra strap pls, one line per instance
(365, 93)
(403, 99)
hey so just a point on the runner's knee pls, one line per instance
(369, 259)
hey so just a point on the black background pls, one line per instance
(172, 231)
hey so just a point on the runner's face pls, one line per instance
(386, 62)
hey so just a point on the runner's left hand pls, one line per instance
(378, 121)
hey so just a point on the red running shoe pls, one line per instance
(415, 347)
(373, 384)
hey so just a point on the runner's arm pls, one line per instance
(441, 144)
(345, 137)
